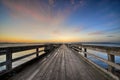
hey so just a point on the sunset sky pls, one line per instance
(59, 20)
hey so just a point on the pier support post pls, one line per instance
(85, 50)
(9, 59)
(37, 52)
(112, 59)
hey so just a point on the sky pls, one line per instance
(59, 20)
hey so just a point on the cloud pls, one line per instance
(34, 11)
(56, 33)
(96, 33)
(112, 23)
(78, 29)
(78, 4)
(39, 19)
(113, 31)
(110, 36)
(52, 2)
(38, 10)
(72, 2)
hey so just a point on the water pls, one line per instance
(102, 54)
(106, 44)
(19, 54)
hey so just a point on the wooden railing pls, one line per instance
(9, 51)
(110, 51)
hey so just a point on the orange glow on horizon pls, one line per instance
(20, 40)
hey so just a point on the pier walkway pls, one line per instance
(62, 64)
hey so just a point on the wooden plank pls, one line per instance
(72, 61)
(54, 75)
(63, 69)
(69, 71)
(44, 68)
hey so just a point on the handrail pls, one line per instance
(8, 51)
(4, 50)
(110, 51)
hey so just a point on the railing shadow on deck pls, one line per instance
(9, 51)
(110, 51)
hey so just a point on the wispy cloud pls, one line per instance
(52, 2)
(56, 33)
(78, 4)
(40, 11)
(78, 29)
(55, 19)
(96, 33)
(106, 31)
(110, 36)
(72, 2)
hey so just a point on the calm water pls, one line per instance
(106, 44)
(18, 54)
(103, 55)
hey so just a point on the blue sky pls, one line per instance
(60, 20)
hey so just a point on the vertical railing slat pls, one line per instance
(111, 58)
(9, 59)
(85, 50)
(37, 52)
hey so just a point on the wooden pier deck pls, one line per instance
(62, 64)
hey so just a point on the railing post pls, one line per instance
(80, 48)
(37, 52)
(49, 48)
(85, 50)
(9, 59)
(111, 58)
(46, 49)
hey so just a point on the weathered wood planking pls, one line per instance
(63, 64)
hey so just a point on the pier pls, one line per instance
(60, 62)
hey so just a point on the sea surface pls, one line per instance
(102, 54)
(18, 54)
